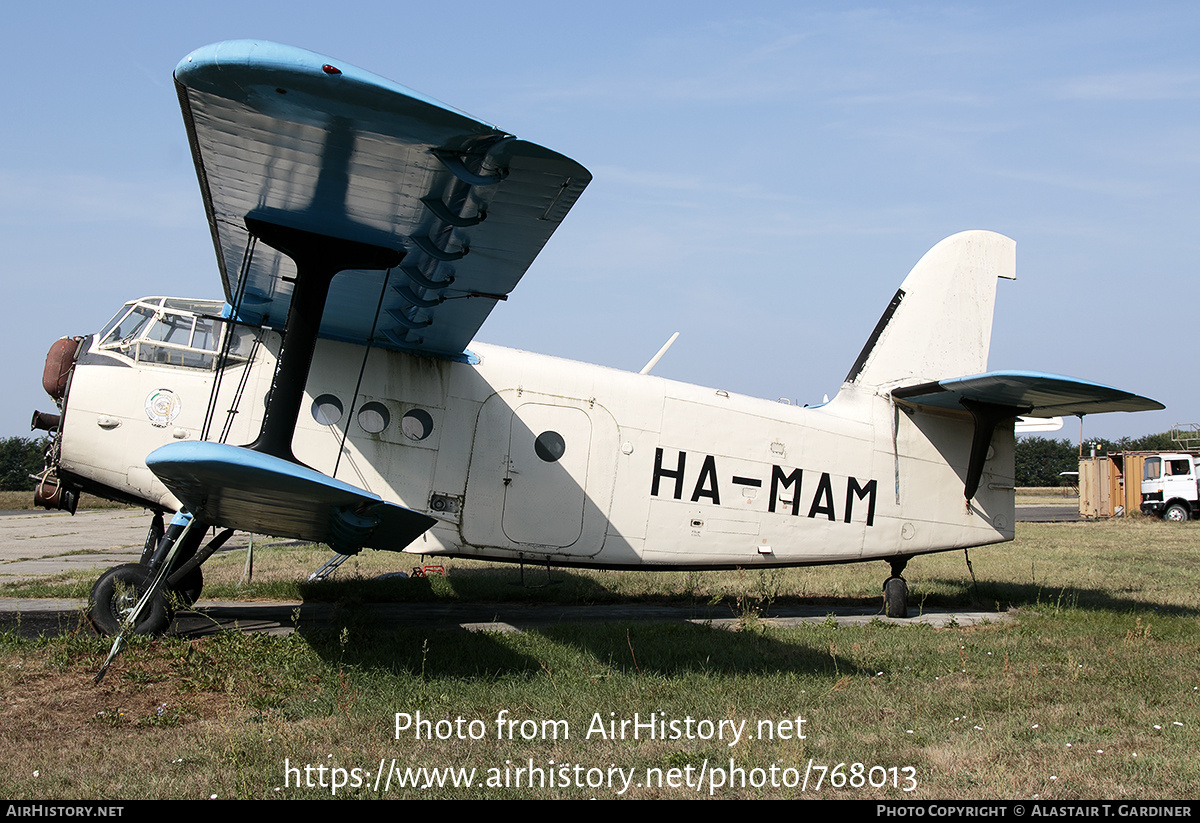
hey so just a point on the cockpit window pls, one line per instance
(171, 331)
(207, 334)
(128, 326)
(172, 328)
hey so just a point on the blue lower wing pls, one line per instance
(237, 488)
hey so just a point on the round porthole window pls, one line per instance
(550, 446)
(417, 424)
(327, 410)
(374, 417)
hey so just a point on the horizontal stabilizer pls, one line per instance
(1028, 425)
(1035, 394)
(237, 488)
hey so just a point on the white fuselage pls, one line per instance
(523, 456)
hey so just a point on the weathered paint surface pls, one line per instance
(522, 455)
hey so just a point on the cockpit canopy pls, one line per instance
(169, 331)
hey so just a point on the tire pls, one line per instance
(895, 597)
(1176, 513)
(189, 589)
(116, 593)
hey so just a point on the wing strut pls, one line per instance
(318, 258)
(987, 416)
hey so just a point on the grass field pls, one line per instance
(1091, 692)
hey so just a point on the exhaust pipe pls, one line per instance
(44, 421)
(52, 494)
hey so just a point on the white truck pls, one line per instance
(1169, 486)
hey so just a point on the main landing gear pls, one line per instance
(115, 598)
(895, 590)
(141, 598)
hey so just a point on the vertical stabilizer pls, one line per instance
(939, 323)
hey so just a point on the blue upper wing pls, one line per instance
(1043, 395)
(284, 134)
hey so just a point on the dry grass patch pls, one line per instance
(20, 501)
(1091, 692)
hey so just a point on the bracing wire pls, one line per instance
(361, 371)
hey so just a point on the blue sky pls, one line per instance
(764, 174)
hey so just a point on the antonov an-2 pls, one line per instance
(363, 234)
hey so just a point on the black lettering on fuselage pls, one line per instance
(783, 479)
(794, 478)
(708, 474)
(660, 472)
(823, 499)
(853, 489)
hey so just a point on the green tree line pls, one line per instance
(19, 458)
(1040, 460)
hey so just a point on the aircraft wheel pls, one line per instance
(189, 589)
(895, 597)
(115, 595)
(1176, 513)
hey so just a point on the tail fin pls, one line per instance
(939, 324)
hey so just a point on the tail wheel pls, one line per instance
(116, 594)
(895, 597)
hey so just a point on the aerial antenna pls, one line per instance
(654, 360)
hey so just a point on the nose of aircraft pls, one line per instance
(56, 380)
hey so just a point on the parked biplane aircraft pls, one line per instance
(363, 233)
